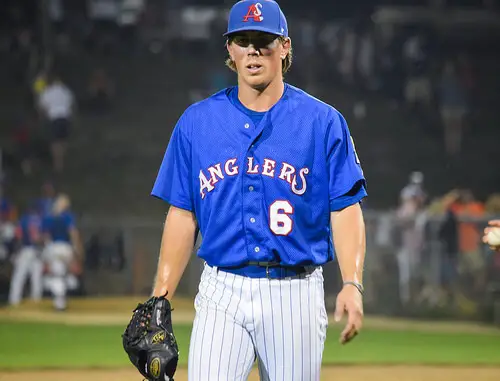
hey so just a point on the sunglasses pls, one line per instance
(259, 41)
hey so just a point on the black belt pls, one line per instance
(270, 270)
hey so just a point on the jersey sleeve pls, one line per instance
(70, 221)
(45, 226)
(346, 182)
(173, 182)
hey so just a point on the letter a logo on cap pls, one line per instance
(254, 12)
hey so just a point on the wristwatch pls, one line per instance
(359, 286)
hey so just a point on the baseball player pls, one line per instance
(270, 176)
(27, 261)
(63, 246)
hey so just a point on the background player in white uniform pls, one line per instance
(27, 261)
(63, 251)
(268, 173)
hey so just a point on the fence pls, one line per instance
(412, 268)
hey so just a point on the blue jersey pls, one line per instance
(58, 227)
(29, 229)
(45, 205)
(262, 192)
(5, 209)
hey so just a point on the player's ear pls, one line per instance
(286, 45)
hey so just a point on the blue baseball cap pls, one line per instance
(261, 15)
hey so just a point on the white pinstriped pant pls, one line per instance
(280, 323)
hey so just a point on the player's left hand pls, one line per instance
(349, 300)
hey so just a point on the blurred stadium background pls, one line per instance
(416, 80)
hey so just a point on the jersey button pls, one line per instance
(247, 125)
(257, 249)
(251, 188)
(252, 220)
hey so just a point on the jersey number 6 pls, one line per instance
(279, 217)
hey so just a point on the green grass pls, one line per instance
(48, 345)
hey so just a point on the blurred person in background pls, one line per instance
(448, 234)
(47, 198)
(453, 107)
(348, 55)
(56, 104)
(412, 219)
(366, 59)
(100, 91)
(8, 216)
(39, 84)
(471, 261)
(415, 186)
(24, 143)
(469, 209)
(63, 251)
(418, 91)
(27, 262)
(8, 211)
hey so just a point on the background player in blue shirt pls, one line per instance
(48, 196)
(27, 262)
(269, 174)
(63, 250)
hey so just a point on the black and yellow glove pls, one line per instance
(150, 342)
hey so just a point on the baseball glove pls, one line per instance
(150, 342)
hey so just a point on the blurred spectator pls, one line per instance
(347, 55)
(8, 217)
(448, 234)
(418, 86)
(7, 210)
(366, 60)
(101, 91)
(472, 262)
(306, 42)
(46, 201)
(492, 204)
(453, 107)
(415, 187)
(468, 208)
(39, 84)
(27, 262)
(56, 104)
(24, 144)
(388, 62)
(22, 51)
(412, 219)
(104, 14)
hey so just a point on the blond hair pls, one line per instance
(285, 65)
(61, 204)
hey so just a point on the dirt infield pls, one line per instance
(354, 373)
